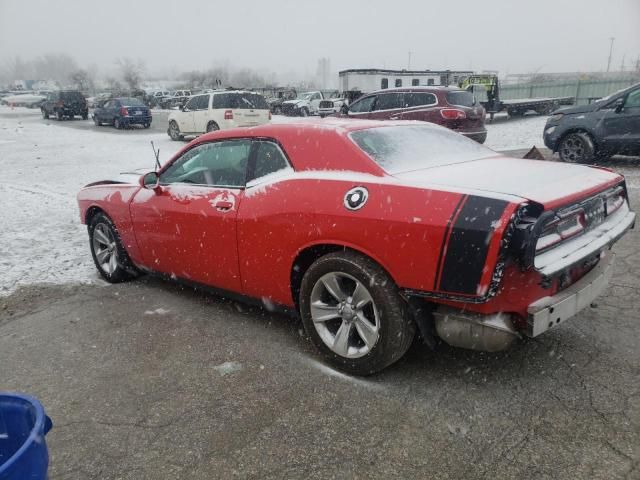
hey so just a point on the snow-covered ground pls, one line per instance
(43, 164)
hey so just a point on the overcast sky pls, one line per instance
(512, 36)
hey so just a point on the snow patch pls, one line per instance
(228, 368)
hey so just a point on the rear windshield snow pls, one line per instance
(460, 98)
(131, 102)
(414, 147)
(253, 101)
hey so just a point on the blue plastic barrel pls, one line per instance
(23, 450)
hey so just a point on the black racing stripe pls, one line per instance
(469, 244)
(444, 239)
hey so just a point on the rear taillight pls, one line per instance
(124, 112)
(562, 229)
(453, 114)
(614, 200)
(228, 115)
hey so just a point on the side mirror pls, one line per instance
(150, 181)
(618, 105)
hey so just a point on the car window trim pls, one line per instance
(219, 140)
(388, 109)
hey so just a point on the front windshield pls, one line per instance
(414, 147)
(304, 96)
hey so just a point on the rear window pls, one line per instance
(240, 101)
(71, 96)
(131, 102)
(460, 98)
(414, 147)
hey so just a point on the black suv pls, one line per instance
(65, 103)
(601, 129)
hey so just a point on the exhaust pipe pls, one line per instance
(475, 331)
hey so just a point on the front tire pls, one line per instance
(59, 115)
(352, 311)
(304, 112)
(109, 255)
(576, 148)
(45, 115)
(117, 123)
(212, 127)
(96, 120)
(174, 131)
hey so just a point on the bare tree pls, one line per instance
(131, 71)
(82, 80)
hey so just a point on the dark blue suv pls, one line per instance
(122, 112)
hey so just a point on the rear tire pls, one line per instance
(117, 123)
(110, 257)
(59, 115)
(369, 326)
(96, 120)
(576, 148)
(45, 115)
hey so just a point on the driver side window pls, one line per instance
(364, 105)
(633, 99)
(191, 104)
(220, 164)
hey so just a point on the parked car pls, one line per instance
(218, 110)
(176, 99)
(123, 112)
(601, 129)
(450, 107)
(332, 104)
(280, 96)
(370, 231)
(28, 100)
(305, 104)
(65, 103)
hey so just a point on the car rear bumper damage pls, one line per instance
(551, 311)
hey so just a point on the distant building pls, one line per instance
(371, 79)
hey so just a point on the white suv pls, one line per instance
(218, 111)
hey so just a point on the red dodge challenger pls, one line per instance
(371, 231)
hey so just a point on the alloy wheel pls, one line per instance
(105, 248)
(572, 149)
(344, 315)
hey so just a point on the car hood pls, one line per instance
(578, 109)
(549, 183)
(132, 177)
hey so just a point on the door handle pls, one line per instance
(223, 205)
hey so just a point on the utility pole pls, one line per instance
(409, 62)
(622, 64)
(610, 52)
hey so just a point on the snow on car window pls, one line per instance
(413, 147)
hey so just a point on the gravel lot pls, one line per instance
(147, 380)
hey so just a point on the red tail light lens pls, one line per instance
(614, 200)
(453, 114)
(124, 112)
(561, 229)
(228, 115)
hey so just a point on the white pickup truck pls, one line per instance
(305, 104)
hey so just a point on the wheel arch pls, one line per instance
(91, 212)
(309, 254)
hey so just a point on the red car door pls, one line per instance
(187, 226)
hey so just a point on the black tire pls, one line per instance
(576, 147)
(174, 131)
(71, 116)
(146, 125)
(212, 127)
(124, 269)
(85, 116)
(304, 112)
(96, 120)
(395, 329)
(45, 115)
(59, 115)
(117, 123)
